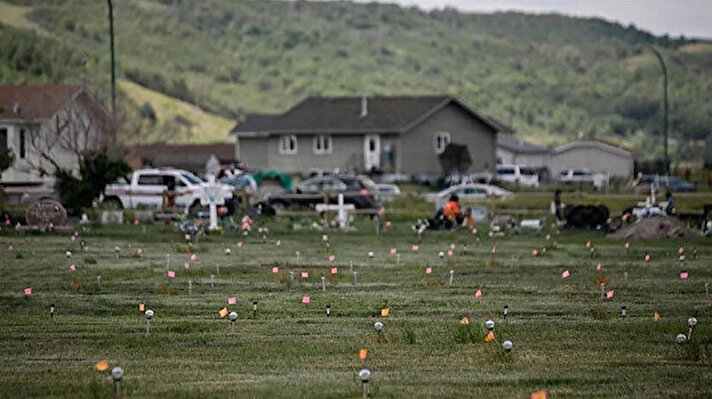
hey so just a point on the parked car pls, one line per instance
(467, 192)
(387, 192)
(148, 187)
(321, 184)
(325, 188)
(677, 184)
(517, 175)
(582, 176)
(672, 183)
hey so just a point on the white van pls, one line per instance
(515, 174)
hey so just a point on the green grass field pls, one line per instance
(567, 340)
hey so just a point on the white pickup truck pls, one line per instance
(147, 189)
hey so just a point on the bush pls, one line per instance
(96, 169)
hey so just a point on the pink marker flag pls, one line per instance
(647, 257)
(478, 293)
(610, 294)
(428, 270)
(232, 300)
(275, 270)
(279, 243)
(332, 258)
(599, 266)
(565, 274)
(187, 237)
(28, 291)
(394, 251)
(305, 274)
(494, 250)
(306, 299)
(388, 223)
(334, 270)
(325, 237)
(415, 248)
(627, 245)
(684, 276)
(73, 267)
(193, 257)
(74, 238)
(186, 265)
(681, 250)
(239, 244)
(535, 252)
(450, 252)
(588, 244)
(452, 246)
(171, 274)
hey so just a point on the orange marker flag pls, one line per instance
(223, 312)
(385, 312)
(539, 395)
(465, 321)
(489, 337)
(656, 316)
(102, 365)
(363, 354)
(141, 307)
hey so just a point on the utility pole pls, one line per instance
(113, 65)
(666, 160)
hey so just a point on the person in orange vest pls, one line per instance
(451, 211)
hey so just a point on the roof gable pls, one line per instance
(31, 103)
(516, 145)
(603, 146)
(395, 114)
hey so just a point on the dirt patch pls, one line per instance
(655, 227)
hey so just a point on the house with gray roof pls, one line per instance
(403, 134)
(515, 151)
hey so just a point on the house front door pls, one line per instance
(371, 152)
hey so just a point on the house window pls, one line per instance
(3, 139)
(322, 144)
(22, 143)
(441, 141)
(288, 144)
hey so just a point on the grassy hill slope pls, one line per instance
(552, 77)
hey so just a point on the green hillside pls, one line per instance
(552, 77)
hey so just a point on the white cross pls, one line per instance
(342, 209)
(211, 194)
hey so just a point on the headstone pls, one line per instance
(112, 217)
(46, 214)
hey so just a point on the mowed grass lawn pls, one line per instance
(567, 340)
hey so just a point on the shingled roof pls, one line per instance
(344, 115)
(32, 103)
(514, 144)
